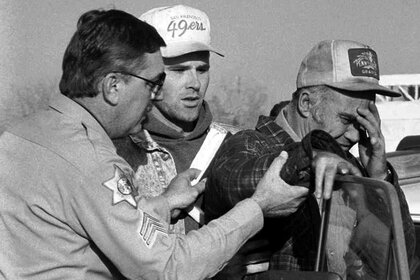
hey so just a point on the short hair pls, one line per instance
(104, 41)
(318, 94)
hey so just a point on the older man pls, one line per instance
(336, 87)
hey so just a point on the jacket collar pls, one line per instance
(77, 112)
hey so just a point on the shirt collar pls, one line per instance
(74, 110)
(282, 121)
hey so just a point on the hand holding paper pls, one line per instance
(202, 160)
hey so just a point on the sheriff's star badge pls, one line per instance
(122, 188)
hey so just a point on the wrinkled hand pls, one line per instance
(275, 197)
(326, 165)
(180, 194)
(372, 148)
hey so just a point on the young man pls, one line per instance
(179, 122)
(69, 207)
(336, 87)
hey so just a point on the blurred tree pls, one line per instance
(238, 104)
(25, 100)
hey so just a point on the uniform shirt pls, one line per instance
(69, 209)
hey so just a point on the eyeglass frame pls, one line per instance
(156, 85)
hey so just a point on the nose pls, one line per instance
(193, 80)
(352, 134)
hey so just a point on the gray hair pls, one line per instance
(317, 95)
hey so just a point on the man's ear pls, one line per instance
(112, 86)
(304, 104)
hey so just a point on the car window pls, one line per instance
(407, 166)
(363, 237)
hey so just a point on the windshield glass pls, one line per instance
(359, 237)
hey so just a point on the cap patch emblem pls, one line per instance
(364, 62)
(122, 187)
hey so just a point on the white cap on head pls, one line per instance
(183, 28)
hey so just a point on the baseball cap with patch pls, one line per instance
(183, 28)
(344, 65)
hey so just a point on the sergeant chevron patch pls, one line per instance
(149, 229)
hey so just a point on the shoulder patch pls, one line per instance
(122, 187)
(150, 227)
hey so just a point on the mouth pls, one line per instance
(191, 101)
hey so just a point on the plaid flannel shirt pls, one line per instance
(238, 167)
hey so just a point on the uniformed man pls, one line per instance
(69, 208)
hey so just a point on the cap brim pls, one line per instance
(181, 48)
(360, 86)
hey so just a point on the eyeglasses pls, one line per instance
(156, 86)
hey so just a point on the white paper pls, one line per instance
(202, 160)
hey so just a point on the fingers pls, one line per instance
(374, 110)
(191, 173)
(371, 114)
(200, 186)
(324, 180)
(345, 168)
(175, 213)
(326, 166)
(278, 162)
(370, 120)
(283, 157)
(319, 180)
(276, 165)
(301, 192)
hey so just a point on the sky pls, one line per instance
(263, 41)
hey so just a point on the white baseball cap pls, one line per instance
(184, 29)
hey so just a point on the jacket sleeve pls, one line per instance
(238, 166)
(135, 235)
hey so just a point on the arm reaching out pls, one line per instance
(180, 193)
(275, 197)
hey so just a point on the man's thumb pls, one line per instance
(279, 161)
(200, 186)
(191, 173)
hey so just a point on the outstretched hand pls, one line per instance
(275, 197)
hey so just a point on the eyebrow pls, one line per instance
(349, 116)
(178, 66)
(184, 67)
(159, 77)
(204, 66)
